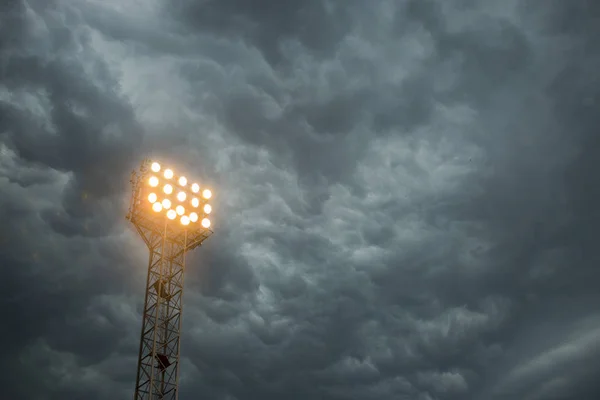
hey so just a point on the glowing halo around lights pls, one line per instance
(207, 208)
(157, 207)
(166, 203)
(168, 189)
(153, 181)
(207, 194)
(185, 220)
(195, 188)
(168, 174)
(180, 210)
(193, 217)
(152, 197)
(182, 181)
(195, 202)
(181, 196)
(155, 167)
(206, 223)
(171, 214)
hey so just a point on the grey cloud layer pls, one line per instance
(406, 195)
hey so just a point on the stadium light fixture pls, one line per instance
(171, 216)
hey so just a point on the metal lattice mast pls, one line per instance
(168, 241)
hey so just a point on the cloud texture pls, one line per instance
(406, 195)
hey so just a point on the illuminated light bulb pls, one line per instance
(181, 196)
(168, 174)
(166, 203)
(182, 181)
(185, 220)
(195, 188)
(171, 214)
(207, 194)
(195, 202)
(157, 207)
(153, 181)
(193, 217)
(155, 167)
(206, 223)
(168, 189)
(152, 197)
(207, 208)
(180, 210)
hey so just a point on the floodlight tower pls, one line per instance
(171, 216)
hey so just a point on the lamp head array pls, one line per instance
(173, 197)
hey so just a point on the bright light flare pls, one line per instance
(178, 190)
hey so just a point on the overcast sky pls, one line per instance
(406, 196)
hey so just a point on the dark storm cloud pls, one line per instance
(406, 195)
(336, 102)
(82, 127)
(67, 142)
(318, 25)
